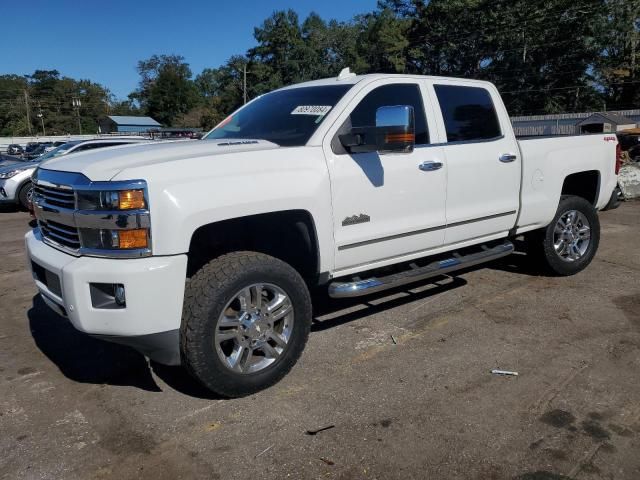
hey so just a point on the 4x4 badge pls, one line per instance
(355, 219)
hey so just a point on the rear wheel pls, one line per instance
(25, 194)
(569, 243)
(245, 323)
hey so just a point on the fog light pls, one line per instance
(107, 295)
(119, 295)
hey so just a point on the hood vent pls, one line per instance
(240, 142)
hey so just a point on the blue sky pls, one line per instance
(103, 40)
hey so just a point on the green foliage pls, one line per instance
(49, 103)
(166, 89)
(545, 56)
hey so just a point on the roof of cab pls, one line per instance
(352, 80)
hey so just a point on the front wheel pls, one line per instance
(246, 320)
(25, 195)
(569, 243)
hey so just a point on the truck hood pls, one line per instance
(104, 164)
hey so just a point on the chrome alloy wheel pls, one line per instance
(571, 236)
(254, 328)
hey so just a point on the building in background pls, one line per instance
(575, 123)
(128, 124)
(606, 122)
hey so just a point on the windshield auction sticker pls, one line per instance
(314, 110)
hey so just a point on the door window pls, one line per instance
(364, 115)
(468, 113)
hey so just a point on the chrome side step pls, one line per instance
(358, 288)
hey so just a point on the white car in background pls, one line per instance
(15, 178)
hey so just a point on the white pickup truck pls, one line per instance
(202, 253)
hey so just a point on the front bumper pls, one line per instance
(154, 294)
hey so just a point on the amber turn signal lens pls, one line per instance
(399, 137)
(133, 238)
(131, 199)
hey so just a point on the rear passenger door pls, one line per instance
(483, 161)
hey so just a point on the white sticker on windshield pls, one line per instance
(315, 110)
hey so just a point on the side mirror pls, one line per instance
(394, 132)
(395, 129)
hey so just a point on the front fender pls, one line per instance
(194, 193)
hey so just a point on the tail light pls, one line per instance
(618, 158)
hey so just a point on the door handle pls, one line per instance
(507, 157)
(430, 166)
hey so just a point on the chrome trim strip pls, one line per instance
(46, 212)
(113, 186)
(424, 230)
(461, 142)
(480, 219)
(112, 220)
(390, 237)
(116, 254)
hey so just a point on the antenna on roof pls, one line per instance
(345, 73)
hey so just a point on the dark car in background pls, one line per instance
(15, 149)
(37, 150)
(29, 149)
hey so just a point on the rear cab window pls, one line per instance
(468, 112)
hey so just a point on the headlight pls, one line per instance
(113, 220)
(116, 200)
(9, 174)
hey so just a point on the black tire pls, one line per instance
(23, 195)
(209, 291)
(541, 242)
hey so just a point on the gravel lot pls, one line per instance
(402, 378)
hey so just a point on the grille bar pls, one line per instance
(59, 197)
(63, 240)
(63, 230)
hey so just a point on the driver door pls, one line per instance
(392, 205)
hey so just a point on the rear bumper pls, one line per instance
(154, 289)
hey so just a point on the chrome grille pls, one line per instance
(54, 207)
(60, 233)
(57, 196)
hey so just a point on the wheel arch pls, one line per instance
(585, 184)
(289, 235)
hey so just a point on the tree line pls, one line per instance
(545, 56)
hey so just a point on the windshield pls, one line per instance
(61, 150)
(285, 117)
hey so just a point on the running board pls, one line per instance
(358, 288)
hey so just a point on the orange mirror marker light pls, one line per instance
(399, 137)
